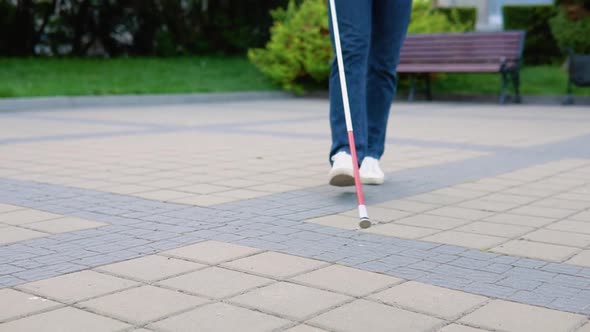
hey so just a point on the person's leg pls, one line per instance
(389, 27)
(354, 23)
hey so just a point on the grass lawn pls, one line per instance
(538, 80)
(77, 77)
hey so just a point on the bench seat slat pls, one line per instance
(449, 68)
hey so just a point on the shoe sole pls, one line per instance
(372, 181)
(342, 178)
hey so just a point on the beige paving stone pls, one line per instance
(362, 315)
(436, 199)
(514, 219)
(202, 200)
(8, 207)
(539, 211)
(151, 268)
(63, 225)
(538, 250)
(221, 317)
(142, 304)
(460, 213)
(215, 282)
(464, 191)
(22, 304)
(402, 231)
(430, 299)
(290, 300)
(515, 317)
(563, 204)
(11, 234)
(485, 204)
(126, 189)
(242, 193)
(573, 196)
(381, 214)
(77, 286)
(585, 328)
(61, 320)
(212, 252)
(488, 228)
(582, 216)
(559, 237)
(162, 195)
(531, 191)
(202, 188)
(275, 265)
(305, 328)
(407, 205)
(338, 221)
(571, 226)
(489, 185)
(432, 221)
(509, 198)
(26, 216)
(460, 328)
(470, 240)
(274, 187)
(167, 183)
(582, 258)
(342, 279)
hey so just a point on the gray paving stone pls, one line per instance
(531, 274)
(445, 281)
(562, 268)
(496, 268)
(572, 281)
(443, 258)
(36, 274)
(424, 266)
(532, 298)
(557, 291)
(9, 281)
(470, 263)
(518, 283)
(529, 263)
(491, 290)
(571, 304)
(448, 249)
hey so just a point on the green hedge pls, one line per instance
(540, 46)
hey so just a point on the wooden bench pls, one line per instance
(472, 52)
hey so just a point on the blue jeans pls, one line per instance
(371, 33)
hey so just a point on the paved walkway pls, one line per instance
(216, 217)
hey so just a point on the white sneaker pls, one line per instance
(370, 171)
(341, 174)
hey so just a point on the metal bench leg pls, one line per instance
(569, 99)
(504, 86)
(428, 88)
(516, 84)
(412, 88)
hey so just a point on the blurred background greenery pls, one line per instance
(89, 47)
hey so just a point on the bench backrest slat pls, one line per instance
(468, 48)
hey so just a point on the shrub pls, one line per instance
(299, 51)
(571, 34)
(427, 19)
